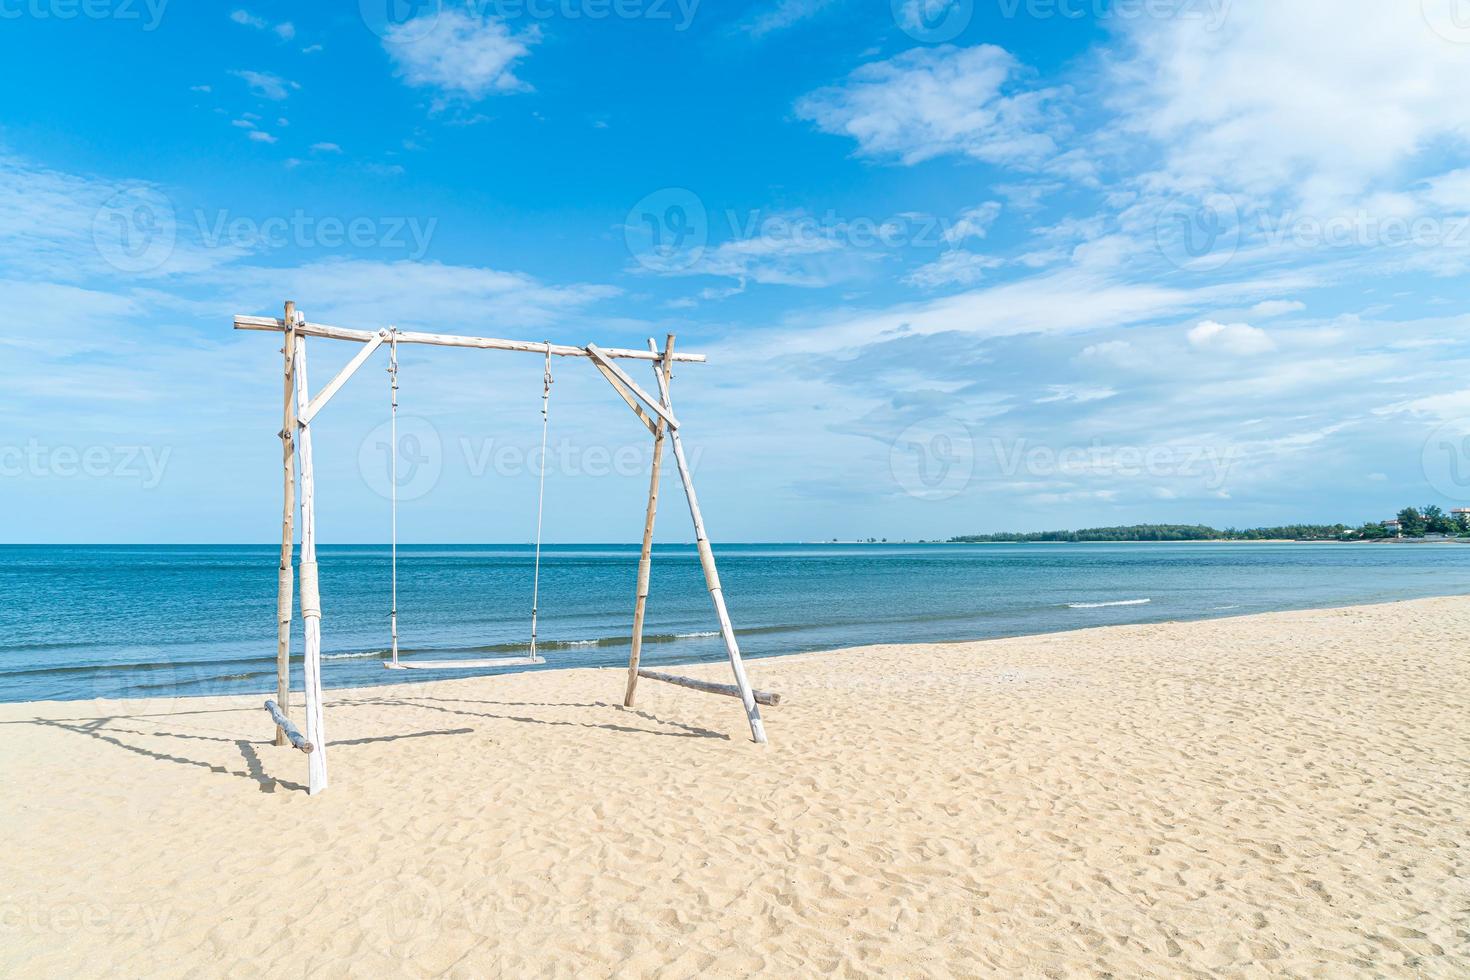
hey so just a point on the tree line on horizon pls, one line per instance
(1414, 523)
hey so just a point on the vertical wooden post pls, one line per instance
(286, 578)
(662, 366)
(712, 577)
(311, 608)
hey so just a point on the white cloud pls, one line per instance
(248, 19)
(266, 85)
(1451, 190)
(326, 148)
(260, 136)
(1079, 394)
(1317, 99)
(809, 260)
(973, 222)
(459, 54)
(956, 267)
(373, 291)
(929, 102)
(1064, 301)
(285, 30)
(201, 88)
(1450, 406)
(782, 15)
(1277, 307)
(1230, 338)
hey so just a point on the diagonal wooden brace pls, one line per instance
(628, 397)
(602, 361)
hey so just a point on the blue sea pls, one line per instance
(161, 621)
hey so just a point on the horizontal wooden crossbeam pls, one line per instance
(452, 340)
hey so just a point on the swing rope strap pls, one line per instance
(546, 382)
(393, 481)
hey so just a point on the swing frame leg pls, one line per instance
(711, 573)
(664, 367)
(285, 580)
(311, 604)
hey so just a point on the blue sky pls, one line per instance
(959, 266)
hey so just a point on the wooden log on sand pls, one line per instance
(297, 739)
(769, 698)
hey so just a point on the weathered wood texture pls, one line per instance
(285, 578)
(451, 340)
(332, 387)
(629, 385)
(293, 734)
(465, 664)
(712, 577)
(710, 687)
(645, 557)
(311, 611)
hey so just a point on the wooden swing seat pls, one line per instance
(465, 664)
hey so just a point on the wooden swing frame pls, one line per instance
(299, 409)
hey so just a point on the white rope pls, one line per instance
(540, 497)
(393, 479)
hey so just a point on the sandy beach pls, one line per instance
(1283, 794)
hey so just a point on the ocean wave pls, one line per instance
(695, 636)
(1104, 605)
(355, 656)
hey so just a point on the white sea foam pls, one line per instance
(1101, 605)
(695, 636)
(354, 656)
